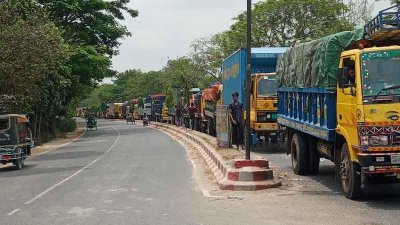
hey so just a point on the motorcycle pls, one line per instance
(145, 122)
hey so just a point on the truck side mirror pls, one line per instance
(342, 77)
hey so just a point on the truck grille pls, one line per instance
(396, 139)
(266, 117)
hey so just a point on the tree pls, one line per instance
(169, 100)
(286, 22)
(32, 52)
(357, 12)
(182, 73)
(207, 56)
(92, 29)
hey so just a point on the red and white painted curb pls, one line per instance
(243, 175)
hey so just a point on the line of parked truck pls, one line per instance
(337, 98)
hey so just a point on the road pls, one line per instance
(128, 174)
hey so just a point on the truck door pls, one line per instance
(347, 98)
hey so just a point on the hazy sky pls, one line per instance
(165, 29)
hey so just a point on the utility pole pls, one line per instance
(248, 80)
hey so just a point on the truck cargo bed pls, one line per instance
(385, 26)
(309, 110)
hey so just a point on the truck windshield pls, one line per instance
(4, 124)
(380, 71)
(266, 87)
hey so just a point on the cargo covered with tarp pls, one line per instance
(315, 63)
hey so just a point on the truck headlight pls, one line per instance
(379, 140)
(364, 141)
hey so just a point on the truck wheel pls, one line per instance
(314, 157)
(350, 175)
(274, 139)
(299, 154)
(29, 150)
(210, 127)
(19, 163)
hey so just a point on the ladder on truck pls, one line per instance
(385, 26)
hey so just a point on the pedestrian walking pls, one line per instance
(192, 111)
(178, 115)
(236, 117)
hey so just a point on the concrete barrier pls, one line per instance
(243, 175)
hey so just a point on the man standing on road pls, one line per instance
(178, 113)
(192, 111)
(236, 117)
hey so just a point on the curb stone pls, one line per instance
(239, 175)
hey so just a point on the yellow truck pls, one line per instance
(118, 110)
(263, 102)
(264, 106)
(339, 98)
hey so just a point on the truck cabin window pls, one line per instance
(266, 87)
(4, 124)
(351, 71)
(380, 72)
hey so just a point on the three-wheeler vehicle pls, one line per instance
(16, 141)
(91, 122)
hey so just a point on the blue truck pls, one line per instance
(339, 99)
(148, 106)
(263, 60)
(263, 99)
(157, 106)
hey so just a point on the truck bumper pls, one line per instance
(379, 163)
(260, 127)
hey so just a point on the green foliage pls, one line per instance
(286, 22)
(169, 100)
(207, 56)
(179, 73)
(53, 52)
(32, 53)
(66, 124)
(279, 23)
(92, 29)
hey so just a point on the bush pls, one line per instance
(66, 124)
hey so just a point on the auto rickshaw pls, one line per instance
(16, 141)
(91, 122)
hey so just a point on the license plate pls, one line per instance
(395, 159)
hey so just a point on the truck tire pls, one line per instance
(19, 163)
(314, 157)
(350, 175)
(299, 154)
(210, 127)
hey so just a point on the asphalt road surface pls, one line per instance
(128, 174)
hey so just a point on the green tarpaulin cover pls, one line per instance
(315, 63)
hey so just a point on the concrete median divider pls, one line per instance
(236, 175)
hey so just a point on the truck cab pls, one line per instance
(341, 101)
(368, 105)
(264, 105)
(210, 99)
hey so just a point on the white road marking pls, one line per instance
(13, 212)
(63, 145)
(205, 192)
(74, 174)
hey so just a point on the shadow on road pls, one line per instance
(380, 196)
(66, 155)
(31, 169)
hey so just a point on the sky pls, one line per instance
(165, 29)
